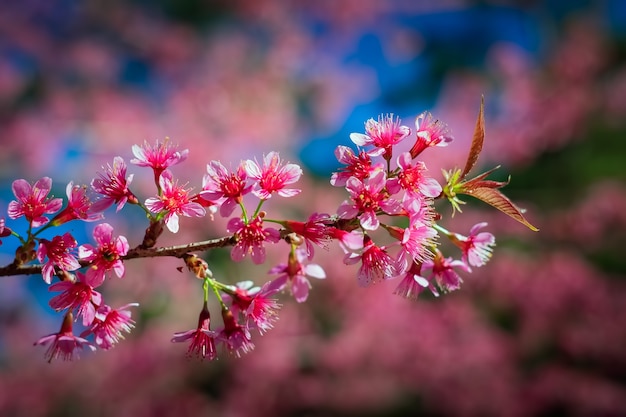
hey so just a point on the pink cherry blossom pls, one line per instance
(58, 251)
(78, 296)
(296, 274)
(348, 241)
(174, 201)
(314, 231)
(106, 256)
(413, 178)
(109, 325)
(376, 263)
(476, 247)
(202, 338)
(250, 238)
(443, 271)
(273, 177)
(415, 243)
(158, 157)
(255, 305)
(418, 209)
(429, 132)
(64, 344)
(367, 199)
(79, 206)
(412, 283)
(113, 185)
(227, 188)
(32, 201)
(358, 166)
(382, 134)
(4, 231)
(234, 337)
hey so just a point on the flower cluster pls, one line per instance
(401, 191)
(388, 226)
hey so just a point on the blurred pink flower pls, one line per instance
(58, 251)
(32, 202)
(4, 231)
(174, 201)
(443, 271)
(272, 177)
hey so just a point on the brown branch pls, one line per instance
(178, 251)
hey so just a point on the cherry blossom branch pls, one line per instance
(176, 251)
(388, 226)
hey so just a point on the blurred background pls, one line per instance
(539, 331)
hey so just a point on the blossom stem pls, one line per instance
(258, 208)
(441, 229)
(17, 235)
(214, 285)
(205, 289)
(244, 212)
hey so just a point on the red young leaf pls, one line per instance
(477, 140)
(473, 184)
(496, 199)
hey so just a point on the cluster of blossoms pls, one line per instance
(391, 196)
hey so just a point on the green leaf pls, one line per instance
(496, 199)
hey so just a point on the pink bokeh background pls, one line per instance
(539, 331)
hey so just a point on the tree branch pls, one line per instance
(174, 251)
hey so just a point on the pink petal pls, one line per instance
(369, 221)
(238, 253)
(300, 288)
(41, 188)
(103, 233)
(194, 210)
(15, 210)
(119, 269)
(171, 221)
(258, 254)
(86, 252)
(154, 204)
(252, 169)
(292, 172)
(21, 189)
(315, 271)
(360, 139)
(288, 192)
